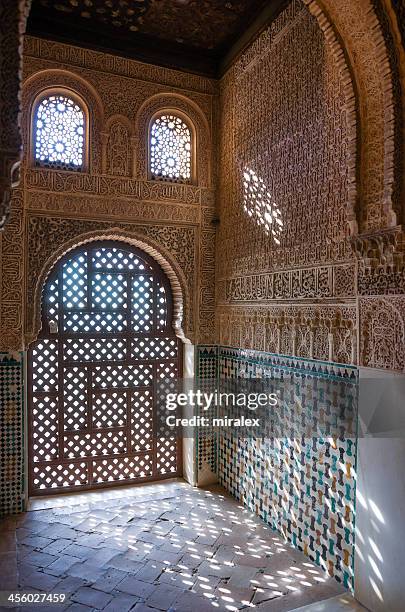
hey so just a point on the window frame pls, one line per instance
(68, 93)
(193, 151)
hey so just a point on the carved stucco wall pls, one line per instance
(301, 111)
(13, 16)
(52, 208)
(284, 117)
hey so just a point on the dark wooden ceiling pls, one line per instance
(194, 35)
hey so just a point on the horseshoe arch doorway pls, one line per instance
(107, 338)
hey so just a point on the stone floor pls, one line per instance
(160, 547)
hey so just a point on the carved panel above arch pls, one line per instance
(178, 242)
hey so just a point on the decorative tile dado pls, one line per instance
(307, 283)
(119, 208)
(304, 487)
(12, 433)
(74, 182)
(206, 438)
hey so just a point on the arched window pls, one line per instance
(170, 149)
(59, 129)
(98, 374)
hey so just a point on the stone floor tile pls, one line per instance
(93, 540)
(121, 603)
(24, 569)
(76, 607)
(36, 541)
(204, 585)
(135, 547)
(150, 571)
(211, 568)
(87, 571)
(167, 558)
(77, 550)
(58, 530)
(190, 561)
(109, 580)
(171, 547)
(62, 564)
(23, 551)
(136, 587)
(91, 597)
(266, 595)
(102, 556)
(162, 527)
(34, 526)
(242, 576)
(239, 598)
(163, 596)
(191, 602)
(142, 607)
(40, 581)
(56, 546)
(85, 524)
(22, 533)
(70, 584)
(41, 559)
(124, 562)
(183, 580)
(150, 538)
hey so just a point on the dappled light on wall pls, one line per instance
(258, 204)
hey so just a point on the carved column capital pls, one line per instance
(382, 249)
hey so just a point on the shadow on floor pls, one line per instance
(167, 546)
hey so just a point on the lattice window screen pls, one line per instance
(106, 340)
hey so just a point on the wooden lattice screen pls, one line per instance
(106, 339)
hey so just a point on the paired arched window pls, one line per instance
(59, 130)
(170, 149)
(60, 139)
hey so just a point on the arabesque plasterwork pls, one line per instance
(13, 16)
(337, 194)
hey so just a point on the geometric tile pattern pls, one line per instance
(303, 486)
(206, 440)
(11, 447)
